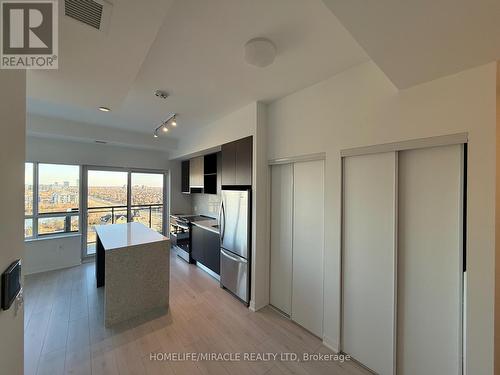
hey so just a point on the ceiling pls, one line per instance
(418, 41)
(194, 50)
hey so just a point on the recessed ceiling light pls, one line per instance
(104, 109)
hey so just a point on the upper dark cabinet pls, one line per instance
(210, 173)
(185, 176)
(228, 162)
(244, 161)
(237, 162)
(201, 174)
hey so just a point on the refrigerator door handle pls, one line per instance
(220, 217)
(223, 227)
(227, 255)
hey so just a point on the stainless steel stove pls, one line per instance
(180, 234)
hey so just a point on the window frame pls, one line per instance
(129, 170)
(36, 215)
(33, 191)
(82, 200)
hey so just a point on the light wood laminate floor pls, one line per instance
(65, 333)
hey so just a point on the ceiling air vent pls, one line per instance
(94, 13)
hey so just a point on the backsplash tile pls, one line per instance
(206, 204)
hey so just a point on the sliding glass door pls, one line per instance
(107, 201)
(147, 199)
(114, 196)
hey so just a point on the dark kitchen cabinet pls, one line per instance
(210, 173)
(185, 176)
(237, 162)
(197, 246)
(212, 251)
(244, 161)
(205, 248)
(228, 162)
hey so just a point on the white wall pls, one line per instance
(236, 125)
(249, 120)
(361, 107)
(13, 126)
(46, 254)
(71, 152)
(497, 236)
(58, 128)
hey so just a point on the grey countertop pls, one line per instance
(117, 236)
(209, 224)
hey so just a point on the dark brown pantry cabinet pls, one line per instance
(237, 162)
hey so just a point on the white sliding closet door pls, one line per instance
(281, 236)
(308, 245)
(369, 210)
(430, 261)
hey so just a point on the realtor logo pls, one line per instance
(29, 34)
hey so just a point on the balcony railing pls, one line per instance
(150, 215)
(51, 223)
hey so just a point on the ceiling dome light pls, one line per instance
(104, 109)
(260, 52)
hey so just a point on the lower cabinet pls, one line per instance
(205, 248)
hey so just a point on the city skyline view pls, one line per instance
(55, 174)
(59, 191)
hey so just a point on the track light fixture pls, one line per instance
(164, 125)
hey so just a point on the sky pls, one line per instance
(114, 178)
(51, 173)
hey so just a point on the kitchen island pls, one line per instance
(133, 266)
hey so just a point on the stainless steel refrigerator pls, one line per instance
(234, 219)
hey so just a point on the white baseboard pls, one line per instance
(331, 344)
(255, 308)
(48, 269)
